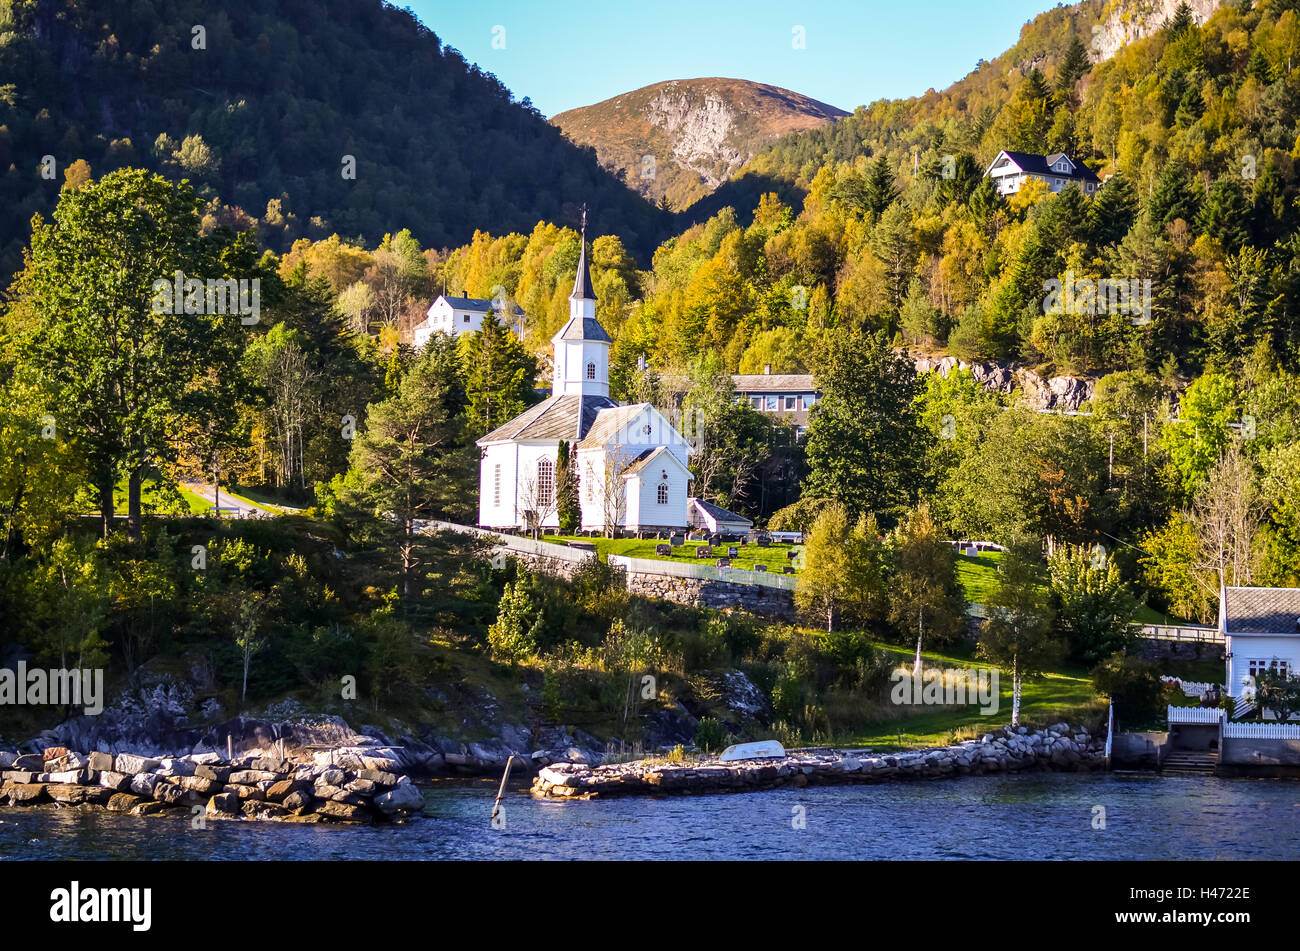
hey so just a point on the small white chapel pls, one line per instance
(632, 464)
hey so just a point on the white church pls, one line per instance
(632, 464)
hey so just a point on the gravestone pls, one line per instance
(763, 541)
(792, 554)
(723, 563)
(664, 550)
(760, 567)
(788, 570)
(676, 540)
(704, 551)
(733, 551)
(972, 551)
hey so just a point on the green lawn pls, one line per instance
(1062, 695)
(774, 556)
(978, 578)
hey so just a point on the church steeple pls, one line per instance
(581, 280)
(582, 345)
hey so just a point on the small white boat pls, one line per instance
(765, 749)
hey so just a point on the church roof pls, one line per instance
(560, 417)
(583, 328)
(581, 280)
(609, 423)
(645, 458)
(477, 305)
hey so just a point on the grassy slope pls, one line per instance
(774, 556)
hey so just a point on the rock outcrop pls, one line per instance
(1061, 393)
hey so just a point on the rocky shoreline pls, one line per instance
(336, 786)
(1059, 747)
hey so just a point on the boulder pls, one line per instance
(175, 767)
(123, 802)
(405, 798)
(133, 765)
(278, 791)
(331, 777)
(199, 784)
(342, 811)
(246, 792)
(379, 776)
(23, 794)
(263, 810)
(100, 762)
(223, 804)
(219, 774)
(170, 793)
(31, 761)
(143, 784)
(300, 799)
(73, 777)
(118, 782)
(148, 808)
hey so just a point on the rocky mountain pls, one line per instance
(681, 139)
(1126, 20)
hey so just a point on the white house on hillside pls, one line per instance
(1010, 170)
(459, 315)
(632, 464)
(1261, 630)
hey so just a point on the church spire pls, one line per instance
(581, 281)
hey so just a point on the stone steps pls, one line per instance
(1195, 762)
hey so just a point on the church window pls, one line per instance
(663, 493)
(545, 482)
(589, 481)
(591, 371)
(496, 484)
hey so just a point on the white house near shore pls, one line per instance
(1261, 631)
(455, 316)
(632, 464)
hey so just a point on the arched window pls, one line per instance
(545, 482)
(591, 371)
(663, 493)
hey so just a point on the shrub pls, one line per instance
(1133, 686)
(711, 736)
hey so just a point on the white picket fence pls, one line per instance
(1190, 688)
(678, 569)
(1262, 731)
(1195, 714)
(1183, 632)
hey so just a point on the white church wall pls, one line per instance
(518, 468)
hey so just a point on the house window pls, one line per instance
(772, 404)
(545, 482)
(790, 402)
(808, 400)
(591, 371)
(1277, 666)
(756, 402)
(496, 485)
(663, 493)
(466, 318)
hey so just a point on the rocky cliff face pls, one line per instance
(1126, 20)
(681, 139)
(1061, 393)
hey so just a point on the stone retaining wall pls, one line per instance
(707, 593)
(1006, 750)
(338, 786)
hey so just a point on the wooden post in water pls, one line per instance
(496, 806)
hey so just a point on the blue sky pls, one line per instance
(578, 52)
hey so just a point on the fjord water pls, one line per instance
(1038, 816)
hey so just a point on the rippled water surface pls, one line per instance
(1039, 816)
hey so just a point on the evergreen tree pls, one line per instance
(499, 376)
(880, 190)
(1113, 211)
(1226, 214)
(1181, 22)
(1073, 65)
(567, 506)
(1174, 195)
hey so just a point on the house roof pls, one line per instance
(583, 328)
(647, 458)
(754, 382)
(559, 417)
(1042, 165)
(477, 305)
(1262, 610)
(718, 513)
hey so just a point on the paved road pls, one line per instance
(231, 507)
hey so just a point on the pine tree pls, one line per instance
(881, 189)
(1073, 65)
(1226, 215)
(499, 376)
(1174, 195)
(1181, 22)
(1113, 211)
